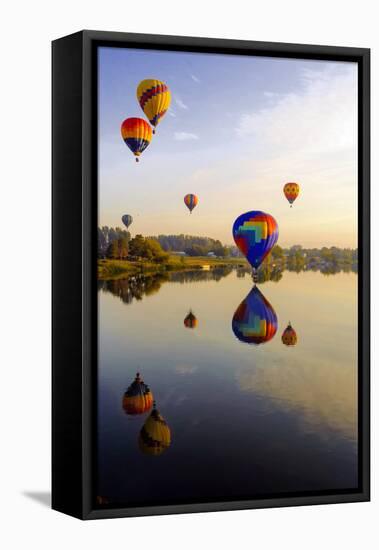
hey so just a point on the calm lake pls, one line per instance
(246, 420)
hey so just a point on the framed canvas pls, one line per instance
(211, 300)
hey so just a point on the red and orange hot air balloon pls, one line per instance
(191, 201)
(136, 134)
(291, 191)
(138, 398)
(190, 321)
(289, 336)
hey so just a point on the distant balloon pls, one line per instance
(190, 321)
(154, 98)
(127, 220)
(155, 436)
(255, 321)
(291, 191)
(138, 398)
(255, 233)
(137, 134)
(190, 201)
(289, 336)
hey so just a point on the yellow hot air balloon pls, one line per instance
(154, 97)
(155, 436)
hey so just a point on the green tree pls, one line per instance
(123, 248)
(113, 250)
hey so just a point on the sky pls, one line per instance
(238, 129)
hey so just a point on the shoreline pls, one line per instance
(113, 269)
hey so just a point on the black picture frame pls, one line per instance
(74, 302)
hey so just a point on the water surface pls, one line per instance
(245, 420)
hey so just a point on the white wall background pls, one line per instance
(26, 31)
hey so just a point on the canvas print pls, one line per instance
(227, 277)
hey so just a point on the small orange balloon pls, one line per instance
(289, 336)
(291, 191)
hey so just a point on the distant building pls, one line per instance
(178, 253)
(211, 255)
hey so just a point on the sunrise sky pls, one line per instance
(238, 128)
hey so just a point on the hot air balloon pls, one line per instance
(190, 201)
(154, 98)
(291, 191)
(155, 436)
(137, 135)
(138, 398)
(255, 321)
(127, 220)
(190, 321)
(289, 336)
(255, 233)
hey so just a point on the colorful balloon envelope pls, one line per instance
(138, 398)
(190, 321)
(291, 191)
(190, 201)
(127, 220)
(255, 233)
(255, 321)
(137, 135)
(289, 336)
(154, 98)
(155, 436)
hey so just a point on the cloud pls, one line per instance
(330, 402)
(171, 113)
(181, 103)
(321, 117)
(195, 79)
(185, 136)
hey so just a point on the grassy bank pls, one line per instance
(112, 269)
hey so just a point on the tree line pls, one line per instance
(192, 245)
(117, 243)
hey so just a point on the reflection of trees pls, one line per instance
(265, 273)
(137, 286)
(134, 288)
(215, 274)
(274, 273)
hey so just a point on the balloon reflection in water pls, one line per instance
(289, 336)
(155, 436)
(138, 398)
(190, 321)
(255, 321)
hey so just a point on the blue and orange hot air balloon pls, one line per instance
(137, 134)
(138, 398)
(289, 336)
(255, 321)
(291, 191)
(154, 98)
(255, 233)
(191, 201)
